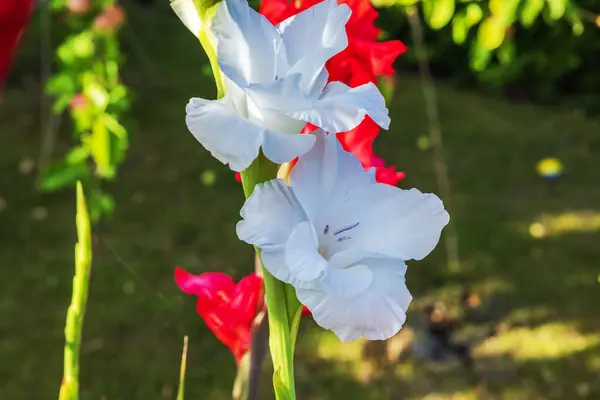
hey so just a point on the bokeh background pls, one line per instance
(518, 318)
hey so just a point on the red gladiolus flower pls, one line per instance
(14, 16)
(228, 309)
(365, 58)
(359, 141)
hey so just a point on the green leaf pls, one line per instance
(114, 126)
(459, 28)
(77, 155)
(57, 4)
(61, 84)
(479, 56)
(98, 143)
(78, 46)
(63, 174)
(491, 33)
(506, 52)
(464, 20)
(474, 14)
(100, 204)
(557, 8)
(504, 10)
(61, 103)
(530, 11)
(390, 3)
(438, 13)
(95, 92)
(574, 18)
(118, 97)
(119, 139)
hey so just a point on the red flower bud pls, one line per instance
(78, 6)
(78, 102)
(110, 19)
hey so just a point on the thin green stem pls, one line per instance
(69, 389)
(212, 58)
(181, 389)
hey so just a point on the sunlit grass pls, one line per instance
(549, 225)
(548, 341)
(461, 395)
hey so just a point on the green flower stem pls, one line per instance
(181, 389)
(241, 385)
(212, 58)
(282, 304)
(69, 389)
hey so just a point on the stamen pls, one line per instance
(345, 229)
(341, 239)
(326, 231)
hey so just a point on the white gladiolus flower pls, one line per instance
(276, 82)
(341, 239)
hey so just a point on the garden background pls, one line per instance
(521, 307)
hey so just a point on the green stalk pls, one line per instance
(212, 58)
(69, 389)
(282, 304)
(181, 390)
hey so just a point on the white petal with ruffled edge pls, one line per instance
(269, 215)
(404, 224)
(309, 49)
(376, 313)
(302, 253)
(236, 141)
(247, 43)
(342, 108)
(230, 138)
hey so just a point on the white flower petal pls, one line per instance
(230, 138)
(314, 36)
(348, 282)
(247, 43)
(302, 253)
(282, 94)
(335, 191)
(187, 13)
(319, 84)
(377, 313)
(269, 216)
(342, 108)
(284, 147)
(274, 262)
(404, 224)
(322, 177)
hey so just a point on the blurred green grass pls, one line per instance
(545, 290)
